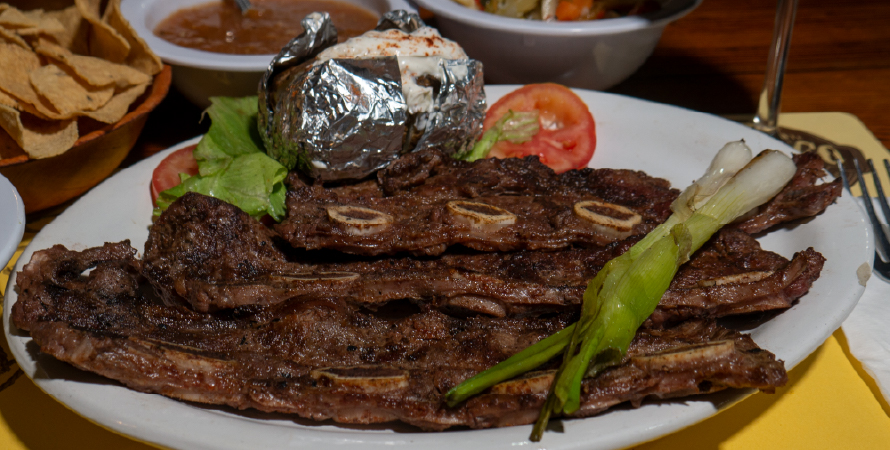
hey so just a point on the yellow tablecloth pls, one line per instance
(829, 402)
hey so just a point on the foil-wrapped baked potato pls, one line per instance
(343, 111)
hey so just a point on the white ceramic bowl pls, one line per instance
(588, 54)
(200, 75)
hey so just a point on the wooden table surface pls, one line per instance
(714, 60)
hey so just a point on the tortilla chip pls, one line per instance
(45, 25)
(13, 18)
(35, 14)
(14, 38)
(15, 79)
(141, 57)
(43, 91)
(104, 41)
(94, 71)
(66, 94)
(12, 102)
(91, 7)
(6, 100)
(118, 106)
(74, 35)
(38, 138)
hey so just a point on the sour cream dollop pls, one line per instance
(419, 53)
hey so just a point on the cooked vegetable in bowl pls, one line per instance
(590, 54)
(563, 9)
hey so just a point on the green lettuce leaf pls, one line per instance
(232, 163)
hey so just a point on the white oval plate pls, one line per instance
(664, 141)
(12, 220)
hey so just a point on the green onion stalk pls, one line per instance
(515, 126)
(626, 291)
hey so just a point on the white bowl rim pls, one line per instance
(200, 59)
(457, 12)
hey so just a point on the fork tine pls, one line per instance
(840, 166)
(880, 238)
(884, 206)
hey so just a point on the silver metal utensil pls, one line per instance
(882, 242)
(244, 5)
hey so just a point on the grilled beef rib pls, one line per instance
(331, 360)
(211, 255)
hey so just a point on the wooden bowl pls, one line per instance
(43, 183)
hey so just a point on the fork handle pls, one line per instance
(880, 237)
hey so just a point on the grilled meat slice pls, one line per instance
(431, 174)
(801, 198)
(731, 275)
(427, 202)
(327, 359)
(192, 257)
(693, 358)
(318, 332)
(115, 277)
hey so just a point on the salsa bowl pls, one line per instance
(594, 54)
(199, 74)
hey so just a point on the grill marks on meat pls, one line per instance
(191, 257)
(326, 359)
(801, 198)
(420, 206)
(59, 269)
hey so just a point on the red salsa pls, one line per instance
(220, 27)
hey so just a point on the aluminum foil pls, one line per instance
(347, 118)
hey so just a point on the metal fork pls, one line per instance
(882, 244)
(244, 5)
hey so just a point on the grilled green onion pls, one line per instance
(515, 126)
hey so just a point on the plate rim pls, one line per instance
(11, 237)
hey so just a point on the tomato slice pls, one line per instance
(567, 137)
(166, 175)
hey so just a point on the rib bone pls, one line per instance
(748, 277)
(480, 214)
(364, 379)
(359, 221)
(316, 276)
(615, 217)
